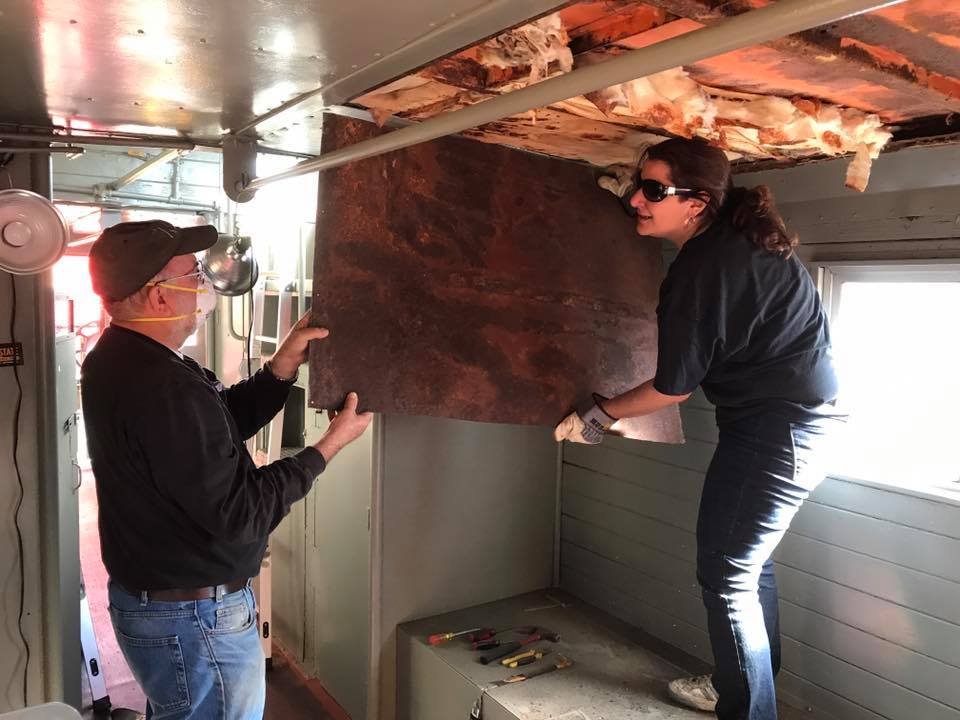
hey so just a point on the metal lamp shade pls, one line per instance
(231, 266)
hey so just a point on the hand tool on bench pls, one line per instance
(560, 664)
(478, 634)
(508, 648)
(476, 713)
(527, 658)
(440, 638)
(488, 641)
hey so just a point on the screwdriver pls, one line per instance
(440, 638)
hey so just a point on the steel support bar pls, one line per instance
(136, 196)
(125, 141)
(69, 150)
(160, 158)
(751, 28)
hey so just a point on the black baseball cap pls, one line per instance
(127, 255)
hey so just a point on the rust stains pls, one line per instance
(477, 296)
(899, 63)
(825, 91)
(608, 29)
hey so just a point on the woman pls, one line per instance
(739, 315)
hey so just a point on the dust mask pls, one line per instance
(206, 297)
(206, 301)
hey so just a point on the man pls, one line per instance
(184, 512)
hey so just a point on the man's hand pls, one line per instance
(292, 352)
(345, 427)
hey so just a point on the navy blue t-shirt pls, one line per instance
(747, 326)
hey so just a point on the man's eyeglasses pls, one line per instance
(655, 191)
(196, 273)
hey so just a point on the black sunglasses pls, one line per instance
(655, 191)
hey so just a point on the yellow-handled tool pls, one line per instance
(524, 658)
(560, 664)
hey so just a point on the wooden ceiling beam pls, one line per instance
(845, 50)
(622, 19)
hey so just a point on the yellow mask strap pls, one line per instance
(165, 319)
(198, 291)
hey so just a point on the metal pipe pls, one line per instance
(751, 28)
(149, 141)
(278, 151)
(126, 141)
(138, 196)
(159, 159)
(175, 182)
(69, 149)
(118, 207)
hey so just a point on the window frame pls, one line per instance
(830, 277)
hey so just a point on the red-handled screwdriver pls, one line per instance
(440, 638)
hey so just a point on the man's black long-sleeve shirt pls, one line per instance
(182, 504)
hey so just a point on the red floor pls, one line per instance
(123, 690)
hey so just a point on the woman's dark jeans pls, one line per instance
(762, 471)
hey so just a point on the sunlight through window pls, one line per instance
(897, 347)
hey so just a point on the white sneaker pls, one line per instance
(696, 692)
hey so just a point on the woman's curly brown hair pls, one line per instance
(704, 168)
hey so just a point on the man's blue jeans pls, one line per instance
(762, 471)
(198, 659)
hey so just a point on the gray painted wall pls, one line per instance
(38, 468)
(465, 515)
(461, 514)
(869, 582)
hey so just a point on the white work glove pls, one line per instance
(622, 183)
(587, 425)
(620, 180)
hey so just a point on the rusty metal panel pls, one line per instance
(471, 281)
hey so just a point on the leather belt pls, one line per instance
(183, 594)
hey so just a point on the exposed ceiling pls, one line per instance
(201, 68)
(856, 84)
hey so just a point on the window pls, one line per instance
(896, 335)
